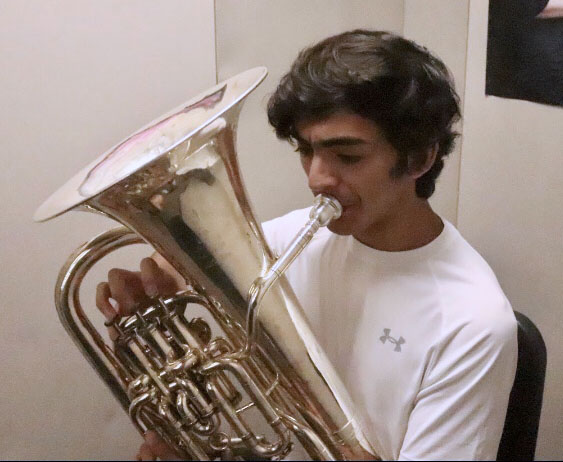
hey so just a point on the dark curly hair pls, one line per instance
(399, 85)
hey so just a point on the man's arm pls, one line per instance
(460, 410)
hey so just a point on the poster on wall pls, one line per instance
(525, 50)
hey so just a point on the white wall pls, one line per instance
(77, 76)
(511, 197)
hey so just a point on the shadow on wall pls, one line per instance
(525, 50)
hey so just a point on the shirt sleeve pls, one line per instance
(460, 409)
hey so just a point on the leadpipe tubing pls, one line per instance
(325, 209)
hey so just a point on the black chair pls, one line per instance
(518, 441)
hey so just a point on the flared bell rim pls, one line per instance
(94, 179)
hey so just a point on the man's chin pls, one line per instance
(342, 229)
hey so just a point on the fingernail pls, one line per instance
(152, 290)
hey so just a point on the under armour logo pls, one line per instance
(396, 342)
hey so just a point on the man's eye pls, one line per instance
(349, 160)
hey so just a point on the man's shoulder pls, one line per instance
(470, 292)
(474, 321)
(467, 270)
(293, 219)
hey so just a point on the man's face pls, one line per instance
(346, 156)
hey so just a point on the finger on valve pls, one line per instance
(108, 307)
(155, 280)
(127, 290)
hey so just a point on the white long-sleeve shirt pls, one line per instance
(424, 340)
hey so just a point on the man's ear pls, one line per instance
(416, 171)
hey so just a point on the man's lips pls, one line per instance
(347, 209)
(346, 204)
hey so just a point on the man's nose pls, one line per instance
(322, 175)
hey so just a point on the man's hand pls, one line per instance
(123, 294)
(126, 291)
(153, 447)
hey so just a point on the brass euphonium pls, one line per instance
(250, 382)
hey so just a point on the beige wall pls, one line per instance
(511, 197)
(77, 76)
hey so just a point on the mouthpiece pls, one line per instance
(325, 209)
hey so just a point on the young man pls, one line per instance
(411, 316)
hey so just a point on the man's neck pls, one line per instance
(412, 228)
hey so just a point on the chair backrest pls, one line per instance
(518, 441)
